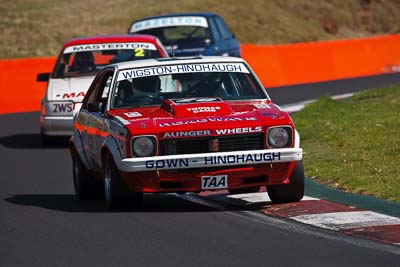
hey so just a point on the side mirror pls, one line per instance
(95, 107)
(43, 77)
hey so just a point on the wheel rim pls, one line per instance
(107, 184)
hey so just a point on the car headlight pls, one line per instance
(144, 146)
(279, 137)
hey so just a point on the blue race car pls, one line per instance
(190, 34)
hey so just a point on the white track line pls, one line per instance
(347, 220)
(290, 108)
(259, 197)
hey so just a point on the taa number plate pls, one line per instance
(214, 182)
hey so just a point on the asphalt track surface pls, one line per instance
(296, 93)
(42, 224)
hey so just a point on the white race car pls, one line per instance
(77, 64)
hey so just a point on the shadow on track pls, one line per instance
(239, 204)
(31, 141)
(69, 203)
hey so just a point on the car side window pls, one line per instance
(215, 30)
(106, 88)
(223, 28)
(99, 89)
(90, 95)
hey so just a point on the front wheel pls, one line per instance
(291, 192)
(116, 194)
(86, 187)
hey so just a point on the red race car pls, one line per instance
(183, 125)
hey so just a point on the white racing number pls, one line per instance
(214, 182)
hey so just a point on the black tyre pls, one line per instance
(246, 190)
(116, 194)
(291, 192)
(86, 187)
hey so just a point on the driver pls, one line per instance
(150, 86)
(83, 62)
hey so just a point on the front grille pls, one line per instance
(201, 145)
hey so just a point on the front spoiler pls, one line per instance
(208, 160)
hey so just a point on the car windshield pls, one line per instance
(153, 90)
(87, 63)
(180, 35)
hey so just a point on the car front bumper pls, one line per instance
(210, 160)
(185, 173)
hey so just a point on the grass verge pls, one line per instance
(354, 145)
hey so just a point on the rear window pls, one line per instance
(86, 60)
(175, 29)
(168, 35)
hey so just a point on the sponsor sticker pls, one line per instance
(184, 68)
(241, 130)
(240, 113)
(213, 161)
(242, 159)
(170, 21)
(122, 120)
(262, 105)
(205, 120)
(179, 101)
(109, 46)
(203, 109)
(71, 95)
(229, 131)
(133, 114)
(187, 134)
(265, 114)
